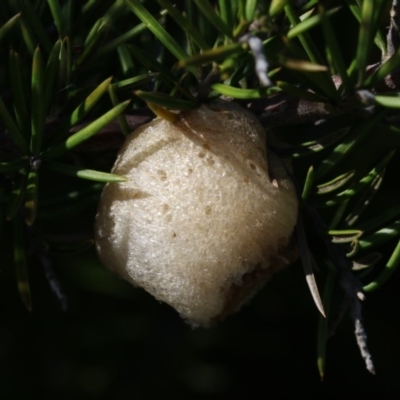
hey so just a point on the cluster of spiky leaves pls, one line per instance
(68, 69)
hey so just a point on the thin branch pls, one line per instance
(351, 286)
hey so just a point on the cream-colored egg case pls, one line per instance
(203, 220)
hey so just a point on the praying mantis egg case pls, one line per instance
(203, 220)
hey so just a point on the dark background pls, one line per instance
(117, 342)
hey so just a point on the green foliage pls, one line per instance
(59, 59)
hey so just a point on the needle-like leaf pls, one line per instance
(160, 33)
(37, 96)
(387, 272)
(56, 11)
(83, 173)
(238, 93)
(85, 133)
(207, 9)
(6, 27)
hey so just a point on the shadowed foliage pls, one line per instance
(76, 77)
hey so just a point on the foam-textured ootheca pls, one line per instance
(203, 220)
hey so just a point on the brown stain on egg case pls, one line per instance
(238, 293)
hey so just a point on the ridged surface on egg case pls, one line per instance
(199, 224)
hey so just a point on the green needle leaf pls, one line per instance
(304, 38)
(207, 9)
(388, 271)
(85, 133)
(333, 51)
(388, 101)
(218, 53)
(120, 40)
(335, 183)
(383, 217)
(153, 65)
(85, 173)
(302, 65)
(227, 11)
(37, 114)
(365, 200)
(82, 110)
(315, 146)
(94, 38)
(347, 145)
(354, 6)
(184, 23)
(345, 236)
(56, 11)
(308, 183)
(36, 23)
(65, 68)
(251, 7)
(89, 6)
(324, 80)
(244, 94)
(7, 26)
(341, 209)
(123, 123)
(51, 71)
(126, 61)
(369, 24)
(159, 32)
(381, 236)
(276, 7)
(309, 23)
(385, 70)
(131, 83)
(126, 37)
(364, 182)
(117, 10)
(27, 34)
